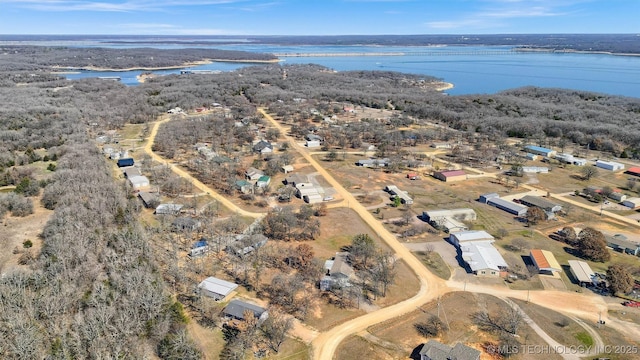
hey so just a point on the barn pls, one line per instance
(450, 175)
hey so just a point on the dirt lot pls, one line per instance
(15, 230)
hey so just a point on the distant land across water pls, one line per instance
(472, 63)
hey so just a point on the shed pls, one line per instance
(138, 181)
(263, 181)
(168, 209)
(449, 220)
(185, 224)
(236, 310)
(244, 186)
(312, 143)
(635, 171)
(618, 196)
(508, 206)
(450, 175)
(312, 198)
(125, 162)
(253, 173)
(609, 165)
(373, 162)
(484, 198)
(215, 288)
(287, 169)
(458, 238)
(544, 261)
(296, 179)
(263, 147)
(632, 203)
(535, 169)
(581, 271)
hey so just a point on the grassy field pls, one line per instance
(433, 261)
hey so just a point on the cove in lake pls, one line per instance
(471, 69)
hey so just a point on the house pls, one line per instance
(632, 203)
(312, 143)
(237, 309)
(485, 197)
(434, 350)
(263, 181)
(262, 147)
(168, 209)
(199, 248)
(404, 197)
(449, 220)
(373, 162)
(244, 186)
(450, 175)
(138, 181)
(535, 169)
(215, 288)
(621, 243)
(295, 179)
(609, 165)
(483, 259)
(125, 162)
(544, 204)
(635, 171)
(338, 272)
(287, 168)
(508, 206)
(131, 171)
(149, 200)
(540, 151)
(185, 224)
(458, 238)
(243, 244)
(253, 173)
(544, 261)
(582, 272)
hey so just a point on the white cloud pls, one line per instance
(108, 6)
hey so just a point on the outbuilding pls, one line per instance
(125, 162)
(484, 198)
(449, 220)
(458, 238)
(168, 209)
(609, 165)
(215, 288)
(450, 175)
(545, 261)
(483, 259)
(508, 206)
(582, 272)
(635, 171)
(632, 203)
(544, 204)
(533, 149)
(237, 310)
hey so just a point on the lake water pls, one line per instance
(471, 69)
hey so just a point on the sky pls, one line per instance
(317, 17)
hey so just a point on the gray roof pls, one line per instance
(499, 202)
(168, 208)
(340, 265)
(538, 201)
(581, 270)
(437, 351)
(236, 309)
(621, 241)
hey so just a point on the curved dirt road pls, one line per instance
(325, 344)
(184, 174)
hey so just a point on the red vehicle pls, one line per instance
(631, 303)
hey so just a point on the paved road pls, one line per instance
(184, 174)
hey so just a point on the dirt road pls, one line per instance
(184, 174)
(325, 344)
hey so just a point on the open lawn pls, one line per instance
(433, 261)
(560, 327)
(357, 347)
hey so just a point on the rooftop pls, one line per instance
(539, 202)
(545, 260)
(482, 255)
(581, 270)
(472, 235)
(217, 286)
(236, 308)
(537, 148)
(452, 172)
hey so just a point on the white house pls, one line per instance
(482, 258)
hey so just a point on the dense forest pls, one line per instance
(95, 289)
(15, 58)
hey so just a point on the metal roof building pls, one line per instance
(545, 261)
(236, 309)
(450, 220)
(540, 150)
(540, 202)
(483, 258)
(581, 271)
(609, 165)
(460, 237)
(216, 288)
(508, 206)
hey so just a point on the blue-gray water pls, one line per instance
(471, 69)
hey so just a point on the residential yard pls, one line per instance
(434, 262)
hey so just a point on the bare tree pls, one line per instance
(275, 328)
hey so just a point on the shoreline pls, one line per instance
(443, 86)
(76, 69)
(572, 51)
